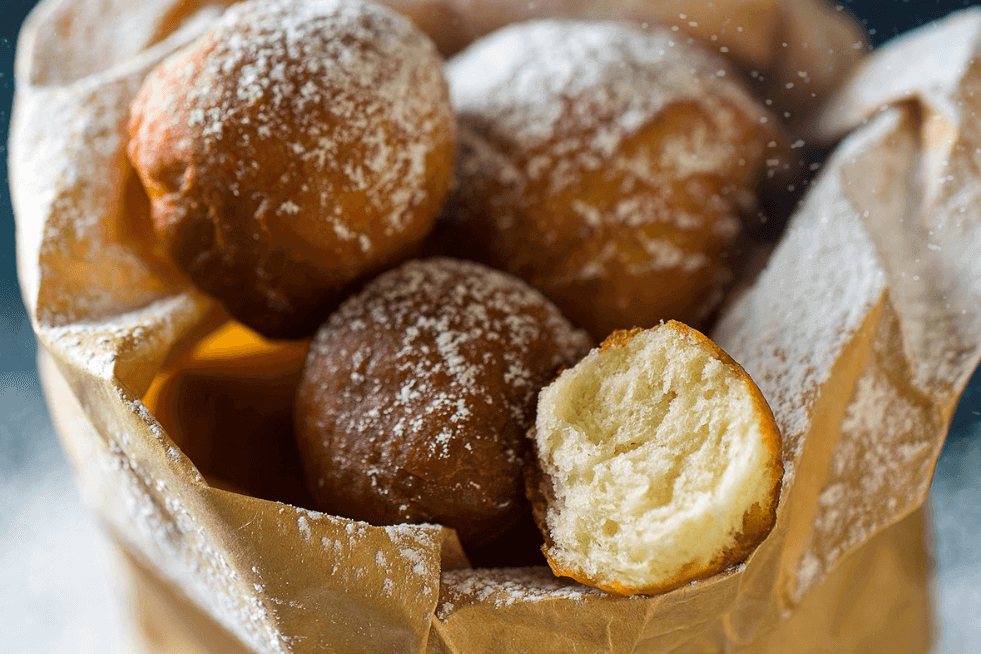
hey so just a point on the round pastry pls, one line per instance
(660, 463)
(418, 392)
(297, 147)
(605, 164)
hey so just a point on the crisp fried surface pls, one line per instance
(295, 148)
(418, 392)
(607, 166)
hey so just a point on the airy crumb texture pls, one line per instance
(660, 463)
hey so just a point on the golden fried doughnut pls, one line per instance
(297, 147)
(660, 463)
(606, 165)
(418, 392)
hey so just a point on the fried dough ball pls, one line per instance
(660, 463)
(418, 392)
(606, 165)
(299, 146)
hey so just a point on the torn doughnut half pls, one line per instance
(659, 463)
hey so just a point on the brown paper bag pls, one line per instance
(861, 355)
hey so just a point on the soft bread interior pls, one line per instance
(656, 448)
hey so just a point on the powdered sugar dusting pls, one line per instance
(789, 331)
(413, 544)
(68, 192)
(882, 465)
(172, 535)
(155, 517)
(96, 345)
(529, 78)
(929, 62)
(611, 148)
(102, 310)
(914, 185)
(503, 587)
(458, 322)
(912, 176)
(337, 83)
(576, 91)
(923, 176)
(304, 526)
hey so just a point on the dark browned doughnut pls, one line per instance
(418, 392)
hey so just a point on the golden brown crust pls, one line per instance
(757, 521)
(292, 150)
(619, 224)
(418, 392)
(619, 338)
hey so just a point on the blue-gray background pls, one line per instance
(58, 582)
